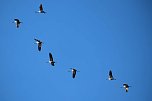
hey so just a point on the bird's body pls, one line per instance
(39, 43)
(51, 59)
(126, 86)
(111, 76)
(17, 22)
(41, 9)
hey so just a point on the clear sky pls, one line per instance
(92, 36)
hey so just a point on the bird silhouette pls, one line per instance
(40, 9)
(17, 22)
(39, 43)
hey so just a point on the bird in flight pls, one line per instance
(40, 9)
(51, 59)
(111, 76)
(17, 22)
(39, 43)
(74, 71)
(126, 86)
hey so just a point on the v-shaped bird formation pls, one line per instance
(51, 60)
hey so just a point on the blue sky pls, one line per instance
(92, 36)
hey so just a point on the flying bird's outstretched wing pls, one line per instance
(41, 7)
(37, 40)
(110, 73)
(126, 85)
(51, 57)
(17, 20)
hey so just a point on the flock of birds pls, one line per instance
(51, 61)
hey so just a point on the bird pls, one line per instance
(126, 86)
(51, 59)
(17, 22)
(41, 9)
(111, 76)
(74, 71)
(39, 43)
